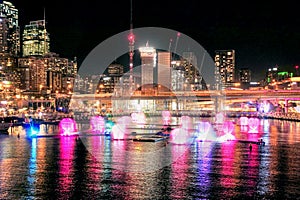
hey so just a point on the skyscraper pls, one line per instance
(225, 67)
(164, 69)
(36, 41)
(244, 75)
(10, 30)
(148, 62)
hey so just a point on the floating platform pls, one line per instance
(150, 139)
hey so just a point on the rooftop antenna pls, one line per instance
(131, 50)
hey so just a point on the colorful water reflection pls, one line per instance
(66, 168)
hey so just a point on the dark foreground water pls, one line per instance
(95, 167)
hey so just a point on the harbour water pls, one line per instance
(95, 167)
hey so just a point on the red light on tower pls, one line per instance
(131, 38)
(297, 66)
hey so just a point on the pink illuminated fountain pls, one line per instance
(253, 124)
(244, 124)
(244, 121)
(227, 129)
(67, 127)
(166, 115)
(120, 130)
(138, 117)
(220, 118)
(97, 124)
(183, 134)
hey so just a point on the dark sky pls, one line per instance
(263, 34)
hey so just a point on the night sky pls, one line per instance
(263, 34)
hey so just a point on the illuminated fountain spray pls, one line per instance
(244, 124)
(139, 118)
(227, 129)
(120, 129)
(166, 115)
(253, 124)
(220, 118)
(204, 128)
(67, 127)
(97, 124)
(182, 135)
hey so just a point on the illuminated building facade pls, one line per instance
(177, 74)
(224, 68)
(148, 63)
(245, 75)
(9, 29)
(48, 73)
(193, 79)
(32, 74)
(110, 81)
(164, 69)
(36, 41)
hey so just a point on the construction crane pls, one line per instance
(174, 52)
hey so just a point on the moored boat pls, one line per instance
(4, 125)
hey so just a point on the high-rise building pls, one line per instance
(148, 63)
(32, 75)
(245, 75)
(9, 30)
(49, 72)
(177, 74)
(36, 41)
(225, 68)
(164, 69)
(192, 73)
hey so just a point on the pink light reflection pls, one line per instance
(179, 172)
(66, 171)
(227, 165)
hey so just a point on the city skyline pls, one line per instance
(262, 35)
